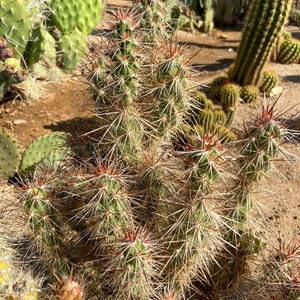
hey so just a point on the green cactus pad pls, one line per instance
(83, 14)
(73, 48)
(10, 156)
(41, 47)
(42, 148)
(14, 25)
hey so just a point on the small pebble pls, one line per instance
(19, 122)
(289, 190)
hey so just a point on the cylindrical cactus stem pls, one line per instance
(43, 221)
(192, 242)
(230, 97)
(206, 119)
(155, 19)
(269, 81)
(264, 23)
(202, 163)
(101, 201)
(215, 87)
(132, 271)
(289, 52)
(171, 92)
(249, 93)
(219, 116)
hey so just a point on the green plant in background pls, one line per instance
(204, 8)
(264, 23)
(228, 12)
(36, 46)
(75, 20)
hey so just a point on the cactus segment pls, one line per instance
(42, 46)
(10, 156)
(83, 14)
(219, 116)
(206, 119)
(249, 93)
(269, 81)
(52, 146)
(289, 52)
(215, 87)
(15, 25)
(230, 95)
(134, 269)
(73, 48)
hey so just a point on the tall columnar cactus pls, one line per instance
(264, 23)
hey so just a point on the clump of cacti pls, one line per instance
(153, 204)
(205, 10)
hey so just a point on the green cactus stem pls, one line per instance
(230, 97)
(269, 81)
(289, 52)
(264, 23)
(215, 87)
(249, 93)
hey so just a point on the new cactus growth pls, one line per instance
(264, 23)
(249, 93)
(230, 97)
(269, 81)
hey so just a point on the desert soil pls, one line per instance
(67, 106)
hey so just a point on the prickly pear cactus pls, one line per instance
(10, 156)
(52, 146)
(83, 14)
(72, 47)
(15, 25)
(41, 47)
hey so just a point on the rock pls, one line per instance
(19, 122)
